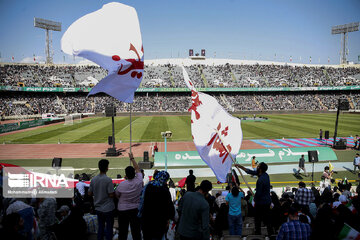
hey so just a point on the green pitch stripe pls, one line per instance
(102, 132)
(32, 132)
(72, 136)
(186, 120)
(328, 118)
(255, 130)
(311, 127)
(138, 127)
(153, 130)
(303, 119)
(298, 125)
(56, 131)
(91, 132)
(180, 128)
(322, 124)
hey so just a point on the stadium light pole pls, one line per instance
(48, 26)
(344, 30)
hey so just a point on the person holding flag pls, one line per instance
(262, 197)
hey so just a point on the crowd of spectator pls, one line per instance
(33, 75)
(171, 76)
(156, 208)
(38, 103)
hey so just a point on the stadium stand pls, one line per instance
(255, 87)
(167, 75)
(15, 103)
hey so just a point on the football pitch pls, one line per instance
(148, 128)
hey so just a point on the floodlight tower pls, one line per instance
(344, 30)
(48, 26)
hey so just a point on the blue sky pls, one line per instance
(238, 29)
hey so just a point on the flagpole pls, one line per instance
(222, 143)
(130, 129)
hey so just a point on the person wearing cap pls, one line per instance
(128, 192)
(294, 229)
(262, 197)
(71, 224)
(64, 212)
(194, 214)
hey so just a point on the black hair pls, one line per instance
(103, 165)
(326, 168)
(206, 186)
(293, 211)
(302, 184)
(191, 172)
(171, 183)
(303, 218)
(87, 207)
(11, 220)
(235, 191)
(263, 166)
(130, 172)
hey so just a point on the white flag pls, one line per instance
(110, 37)
(216, 133)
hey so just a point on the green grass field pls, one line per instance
(148, 128)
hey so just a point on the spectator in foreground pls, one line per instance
(304, 196)
(294, 229)
(101, 187)
(233, 199)
(71, 225)
(157, 209)
(194, 214)
(128, 192)
(12, 226)
(262, 196)
(190, 181)
(26, 212)
(47, 218)
(90, 219)
(80, 186)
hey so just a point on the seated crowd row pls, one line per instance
(171, 76)
(38, 103)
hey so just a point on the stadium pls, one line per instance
(287, 109)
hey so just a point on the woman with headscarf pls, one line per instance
(156, 207)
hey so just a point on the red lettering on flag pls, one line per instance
(135, 64)
(218, 145)
(195, 103)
